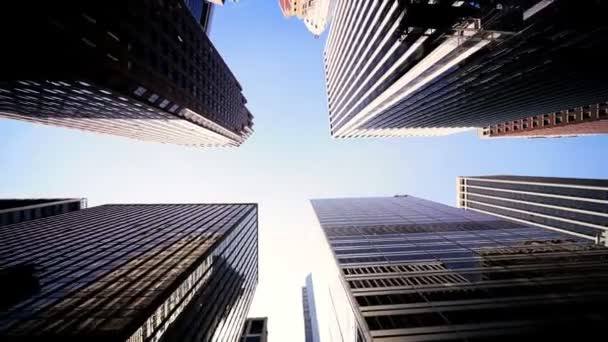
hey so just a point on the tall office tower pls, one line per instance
(315, 13)
(408, 269)
(21, 210)
(167, 272)
(408, 68)
(575, 206)
(311, 325)
(202, 11)
(585, 120)
(255, 330)
(138, 69)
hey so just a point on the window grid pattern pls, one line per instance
(405, 81)
(20, 210)
(470, 281)
(573, 205)
(135, 272)
(307, 318)
(157, 76)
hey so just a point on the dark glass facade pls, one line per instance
(399, 68)
(202, 11)
(183, 272)
(576, 206)
(412, 269)
(20, 210)
(306, 312)
(311, 325)
(255, 330)
(138, 69)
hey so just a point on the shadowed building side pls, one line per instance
(316, 14)
(167, 272)
(309, 309)
(415, 270)
(586, 120)
(202, 11)
(418, 68)
(574, 206)
(20, 210)
(255, 330)
(137, 69)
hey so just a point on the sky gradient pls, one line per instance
(289, 159)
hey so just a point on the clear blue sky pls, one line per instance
(289, 159)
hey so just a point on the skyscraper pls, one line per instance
(415, 270)
(137, 69)
(315, 13)
(585, 120)
(311, 325)
(20, 210)
(410, 68)
(202, 11)
(167, 272)
(574, 206)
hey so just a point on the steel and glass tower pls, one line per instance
(315, 13)
(309, 309)
(415, 270)
(138, 69)
(202, 12)
(411, 68)
(167, 272)
(569, 205)
(20, 210)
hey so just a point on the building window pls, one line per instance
(256, 327)
(139, 91)
(153, 98)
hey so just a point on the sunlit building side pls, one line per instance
(570, 205)
(409, 269)
(427, 68)
(573, 122)
(167, 272)
(316, 14)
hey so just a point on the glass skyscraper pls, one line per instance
(416, 68)
(167, 272)
(415, 270)
(306, 313)
(20, 210)
(138, 69)
(311, 324)
(571, 122)
(570, 205)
